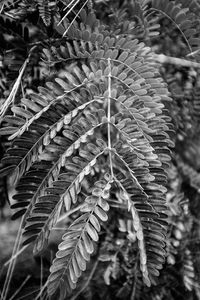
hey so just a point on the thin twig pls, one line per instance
(12, 263)
(41, 291)
(2, 7)
(29, 294)
(16, 255)
(8, 6)
(41, 275)
(164, 59)
(69, 5)
(72, 22)
(17, 84)
(135, 279)
(21, 286)
(68, 11)
(13, 92)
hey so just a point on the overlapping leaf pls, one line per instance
(46, 211)
(111, 105)
(77, 244)
(182, 18)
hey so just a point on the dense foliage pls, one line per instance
(100, 139)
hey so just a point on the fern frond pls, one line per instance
(188, 271)
(77, 245)
(71, 142)
(108, 105)
(76, 138)
(40, 108)
(180, 17)
(149, 232)
(26, 195)
(36, 148)
(44, 11)
(26, 121)
(69, 187)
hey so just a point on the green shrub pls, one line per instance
(100, 130)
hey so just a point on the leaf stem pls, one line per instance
(109, 116)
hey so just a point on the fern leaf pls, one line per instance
(148, 231)
(27, 155)
(70, 187)
(44, 11)
(83, 232)
(27, 195)
(108, 106)
(43, 140)
(72, 143)
(183, 21)
(188, 271)
(38, 110)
